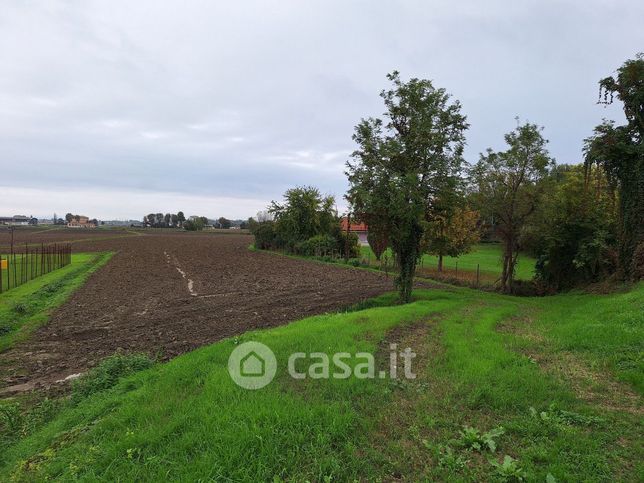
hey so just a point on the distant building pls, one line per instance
(80, 222)
(18, 220)
(359, 229)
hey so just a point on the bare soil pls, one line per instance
(169, 293)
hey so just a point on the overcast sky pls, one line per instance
(114, 109)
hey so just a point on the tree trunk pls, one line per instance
(406, 259)
(440, 262)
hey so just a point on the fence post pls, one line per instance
(478, 273)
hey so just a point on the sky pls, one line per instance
(114, 109)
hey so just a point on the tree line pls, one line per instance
(409, 182)
(178, 220)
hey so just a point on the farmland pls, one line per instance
(555, 383)
(169, 293)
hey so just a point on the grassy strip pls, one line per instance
(470, 373)
(27, 307)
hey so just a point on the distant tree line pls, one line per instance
(169, 220)
(179, 220)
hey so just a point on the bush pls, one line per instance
(265, 238)
(319, 246)
(108, 373)
(341, 244)
(194, 225)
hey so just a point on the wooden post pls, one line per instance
(478, 273)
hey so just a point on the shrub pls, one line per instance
(319, 245)
(108, 373)
(341, 244)
(265, 237)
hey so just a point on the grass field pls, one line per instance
(26, 307)
(562, 376)
(486, 255)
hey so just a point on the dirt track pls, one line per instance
(167, 294)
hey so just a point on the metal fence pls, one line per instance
(24, 263)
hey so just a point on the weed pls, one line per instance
(16, 422)
(471, 438)
(20, 308)
(108, 372)
(11, 417)
(52, 287)
(560, 416)
(449, 460)
(508, 470)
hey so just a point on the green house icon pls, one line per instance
(252, 365)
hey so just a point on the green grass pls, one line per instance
(487, 255)
(26, 307)
(478, 366)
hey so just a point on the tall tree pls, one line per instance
(619, 150)
(181, 217)
(403, 162)
(507, 187)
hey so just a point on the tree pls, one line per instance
(167, 219)
(174, 219)
(619, 151)
(181, 218)
(507, 187)
(403, 163)
(573, 233)
(264, 216)
(378, 237)
(224, 223)
(451, 233)
(195, 223)
(69, 217)
(303, 214)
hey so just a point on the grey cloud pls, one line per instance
(240, 100)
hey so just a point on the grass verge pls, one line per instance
(27, 307)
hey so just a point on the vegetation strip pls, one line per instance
(27, 307)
